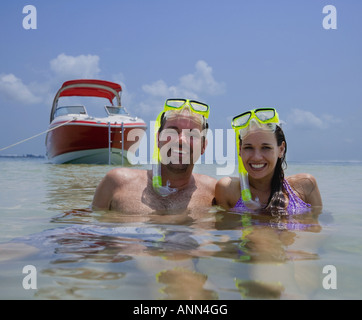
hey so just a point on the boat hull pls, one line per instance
(92, 156)
(92, 143)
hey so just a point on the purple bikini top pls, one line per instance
(295, 205)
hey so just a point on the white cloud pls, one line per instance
(14, 89)
(202, 80)
(70, 67)
(160, 89)
(308, 120)
(146, 109)
(126, 96)
(190, 86)
(65, 68)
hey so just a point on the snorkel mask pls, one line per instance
(261, 118)
(173, 108)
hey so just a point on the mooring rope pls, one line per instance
(39, 134)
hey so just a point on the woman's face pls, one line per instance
(260, 152)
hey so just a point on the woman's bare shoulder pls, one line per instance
(306, 181)
(205, 179)
(306, 186)
(228, 182)
(227, 192)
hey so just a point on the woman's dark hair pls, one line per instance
(277, 201)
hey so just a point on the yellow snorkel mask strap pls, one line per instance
(163, 191)
(243, 174)
(263, 118)
(177, 106)
(244, 180)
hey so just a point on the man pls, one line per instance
(181, 141)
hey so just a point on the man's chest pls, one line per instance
(145, 201)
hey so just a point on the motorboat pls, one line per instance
(76, 136)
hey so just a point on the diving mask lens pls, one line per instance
(195, 106)
(175, 103)
(263, 115)
(198, 106)
(241, 120)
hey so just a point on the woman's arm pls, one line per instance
(225, 191)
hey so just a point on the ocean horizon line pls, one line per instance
(215, 161)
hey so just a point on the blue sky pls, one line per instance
(233, 54)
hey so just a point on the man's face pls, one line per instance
(181, 142)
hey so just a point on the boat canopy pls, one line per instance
(88, 88)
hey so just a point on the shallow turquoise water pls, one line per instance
(79, 254)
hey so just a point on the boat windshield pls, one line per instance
(62, 111)
(111, 110)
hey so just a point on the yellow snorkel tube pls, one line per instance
(243, 174)
(173, 106)
(164, 191)
(262, 118)
(244, 180)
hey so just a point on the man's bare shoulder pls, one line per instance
(120, 176)
(116, 181)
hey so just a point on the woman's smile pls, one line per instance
(257, 166)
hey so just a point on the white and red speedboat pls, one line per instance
(74, 136)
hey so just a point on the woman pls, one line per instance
(262, 150)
